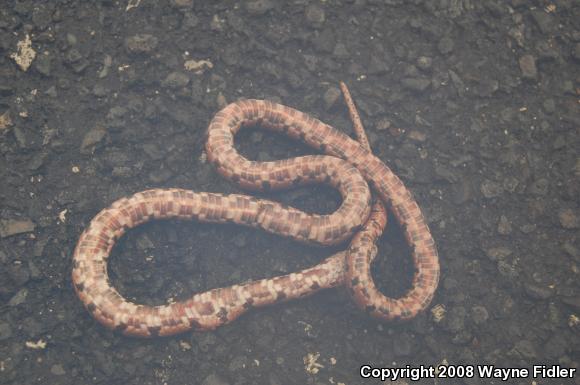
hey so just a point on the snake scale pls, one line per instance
(349, 166)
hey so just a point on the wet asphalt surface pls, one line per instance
(475, 105)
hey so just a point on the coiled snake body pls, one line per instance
(348, 166)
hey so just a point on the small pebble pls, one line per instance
(214, 379)
(43, 64)
(524, 349)
(259, 7)
(57, 370)
(176, 79)
(424, 62)
(538, 292)
(479, 314)
(504, 226)
(18, 298)
(141, 43)
(569, 219)
(528, 67)
(549, 106)
(456, 319)
(331, 96)
(182, 3)
(315, 15)
(92, 138)
(416, 84)
(540, 187)
(445, 45)
(5, 331)
(571, 250)
(491, 189)
(383, 124)
(9, 227)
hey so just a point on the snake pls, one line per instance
(346, 164)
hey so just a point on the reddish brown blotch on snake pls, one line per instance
(348, 165)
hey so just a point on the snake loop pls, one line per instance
(348, 165)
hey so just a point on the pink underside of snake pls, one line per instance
(350, 163)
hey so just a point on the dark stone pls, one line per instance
(141, 43)
(528, 67)
(544, 21)
(445, 45)
(5, 331)
(525, 350)
(215, 379)
(176, 79)
(538, 292)
(43, 64)
(259, 7)
(479, 314)
(315, 15)
(416, 84)
(456, 319)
